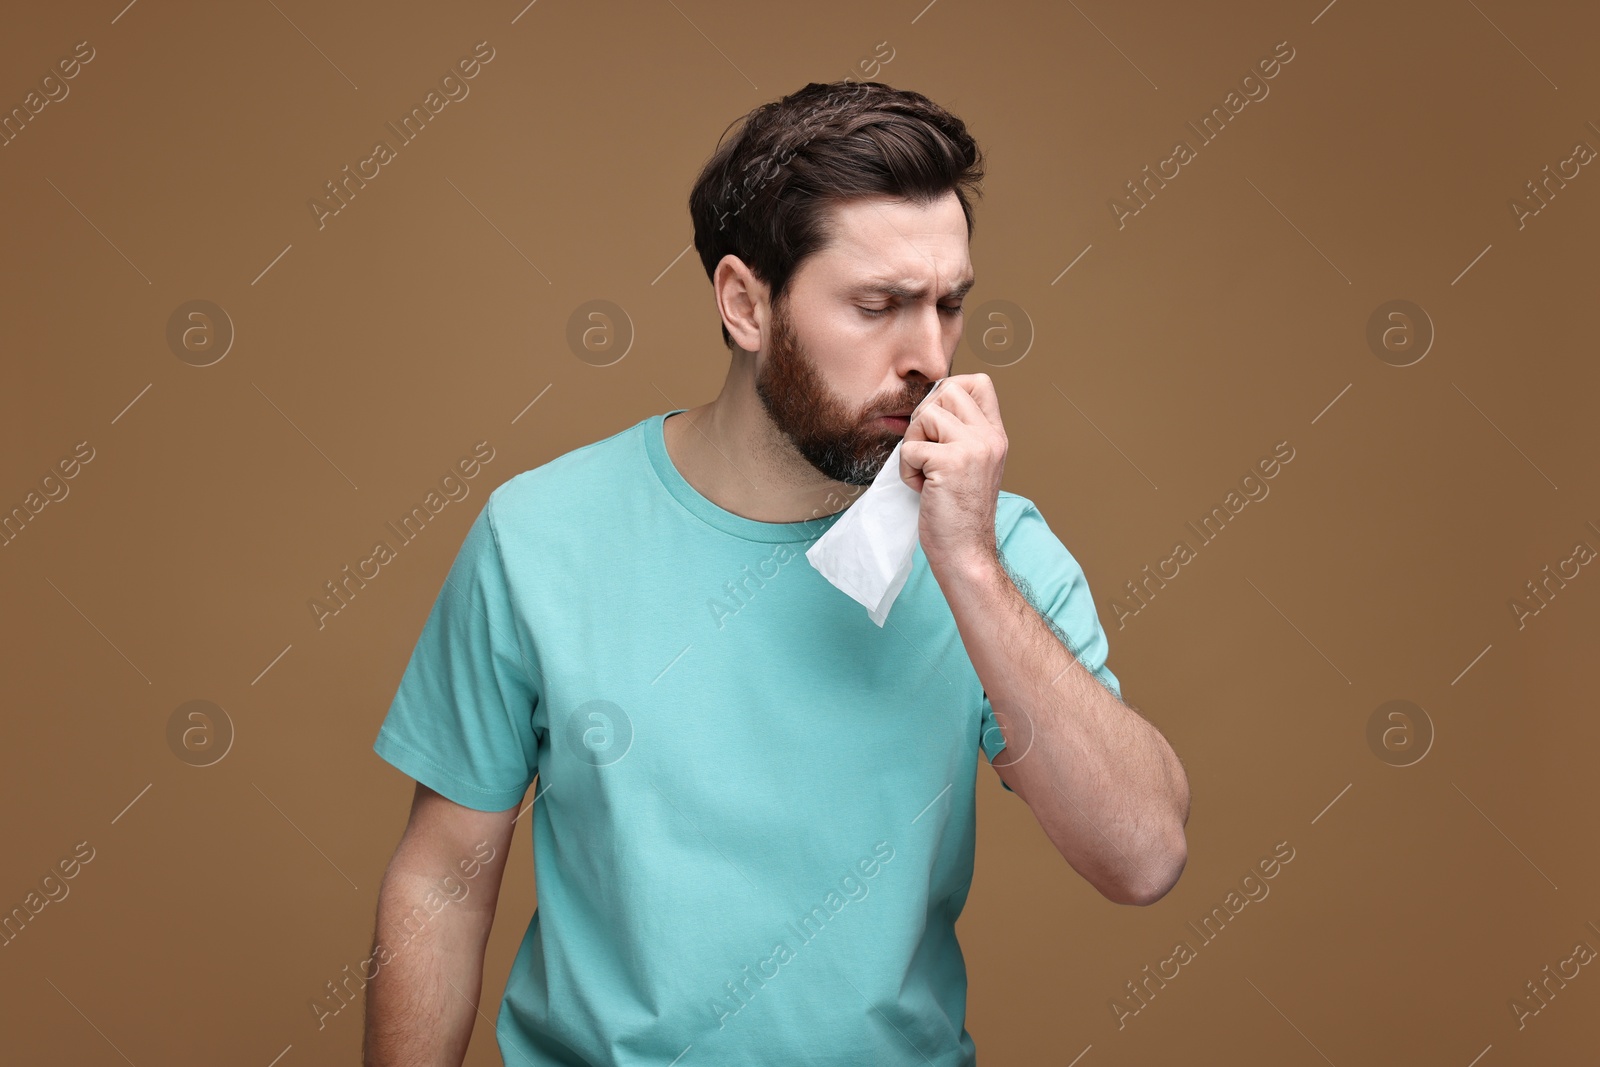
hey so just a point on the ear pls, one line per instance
(744, 301)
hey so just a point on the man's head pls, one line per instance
(835, 229)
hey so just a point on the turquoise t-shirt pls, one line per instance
(754, 826)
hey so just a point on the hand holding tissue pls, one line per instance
(868, 552)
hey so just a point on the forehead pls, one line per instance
(892, 242)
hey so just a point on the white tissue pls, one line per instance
(867, 552)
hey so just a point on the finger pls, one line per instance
(938, 423)
(927, 398)
(912, 457)
(975, 400)
(929, 403)
(915, 429)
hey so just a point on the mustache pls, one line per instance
(907, 405)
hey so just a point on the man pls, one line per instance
(754, 826)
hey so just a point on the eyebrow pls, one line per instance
(890, 287)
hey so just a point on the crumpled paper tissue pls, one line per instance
(867, 553)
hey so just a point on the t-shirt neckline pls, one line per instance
(712, 514)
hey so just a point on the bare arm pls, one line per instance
(1105, 785)
(435, 909)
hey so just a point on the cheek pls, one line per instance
(844, 357)
(848, 351)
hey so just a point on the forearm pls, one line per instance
(1102, 781)
(422, 1003)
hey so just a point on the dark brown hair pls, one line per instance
(764, 194)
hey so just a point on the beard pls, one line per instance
(844, 444)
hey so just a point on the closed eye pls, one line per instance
(949, 309)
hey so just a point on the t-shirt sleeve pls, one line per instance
(1050, 578)
(461, 721)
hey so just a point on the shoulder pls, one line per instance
(1030, 545)
(1009, 510)
(1017, 517)
(589, 472)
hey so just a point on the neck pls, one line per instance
(733, 455)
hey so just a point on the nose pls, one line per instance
(926, 349)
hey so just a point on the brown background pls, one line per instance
(1230, 314)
